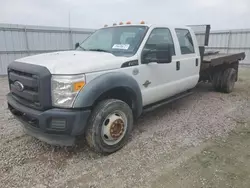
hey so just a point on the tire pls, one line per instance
(109, 119)
(228, 80)
(216, 82)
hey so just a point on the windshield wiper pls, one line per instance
(99, 50)
(82, 48)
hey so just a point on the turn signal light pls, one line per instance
(78, 86)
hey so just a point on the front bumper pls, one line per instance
(54, 126)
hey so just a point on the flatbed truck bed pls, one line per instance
(215, 58)
(218, 67)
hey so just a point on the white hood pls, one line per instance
(75, 62)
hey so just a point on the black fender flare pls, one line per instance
(103, 83)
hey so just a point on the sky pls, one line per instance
(221, 14)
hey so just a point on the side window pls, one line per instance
(185, 41)
(160, 36)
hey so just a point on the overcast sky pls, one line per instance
(221, 14)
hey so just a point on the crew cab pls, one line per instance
(101, 87)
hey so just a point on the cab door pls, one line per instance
(157, 81)
(188, 59)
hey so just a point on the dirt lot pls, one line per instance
(200, 141)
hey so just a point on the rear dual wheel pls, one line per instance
(216, 82)
(224, 81)
(228, 80)
(109, 126)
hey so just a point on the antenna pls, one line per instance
(69, 19)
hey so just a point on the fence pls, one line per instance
(231, 41)
(18, 41)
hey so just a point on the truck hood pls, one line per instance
(75, 62)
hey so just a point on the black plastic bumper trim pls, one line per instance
(76, 122)
(53, 139)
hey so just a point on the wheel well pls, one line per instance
(208, 74)
(120, 93)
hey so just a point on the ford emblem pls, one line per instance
(19, 86)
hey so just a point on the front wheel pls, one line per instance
(109, 126)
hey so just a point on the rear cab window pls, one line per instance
(185, 41)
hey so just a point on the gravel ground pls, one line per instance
(162, 139)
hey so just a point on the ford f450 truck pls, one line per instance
(101, 87)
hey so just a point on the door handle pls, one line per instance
(196, 62)
(178, 65)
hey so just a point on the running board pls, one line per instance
(166, 101)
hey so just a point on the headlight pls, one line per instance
(65, 89)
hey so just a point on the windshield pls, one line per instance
(120, 41)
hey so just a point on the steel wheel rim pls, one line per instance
(114, 127)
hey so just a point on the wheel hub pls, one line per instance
(114, 128)
(117, 128)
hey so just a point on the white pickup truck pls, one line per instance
(98, 89)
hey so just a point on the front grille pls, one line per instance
(30, 85)
(30, 93)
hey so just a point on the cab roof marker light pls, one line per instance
(128, 22)
(121, 23)
(142, 22)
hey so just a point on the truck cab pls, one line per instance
(98, 89)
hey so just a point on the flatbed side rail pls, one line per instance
(219, 58)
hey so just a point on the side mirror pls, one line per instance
(148, 56)
(161, 54)
(77, 45)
